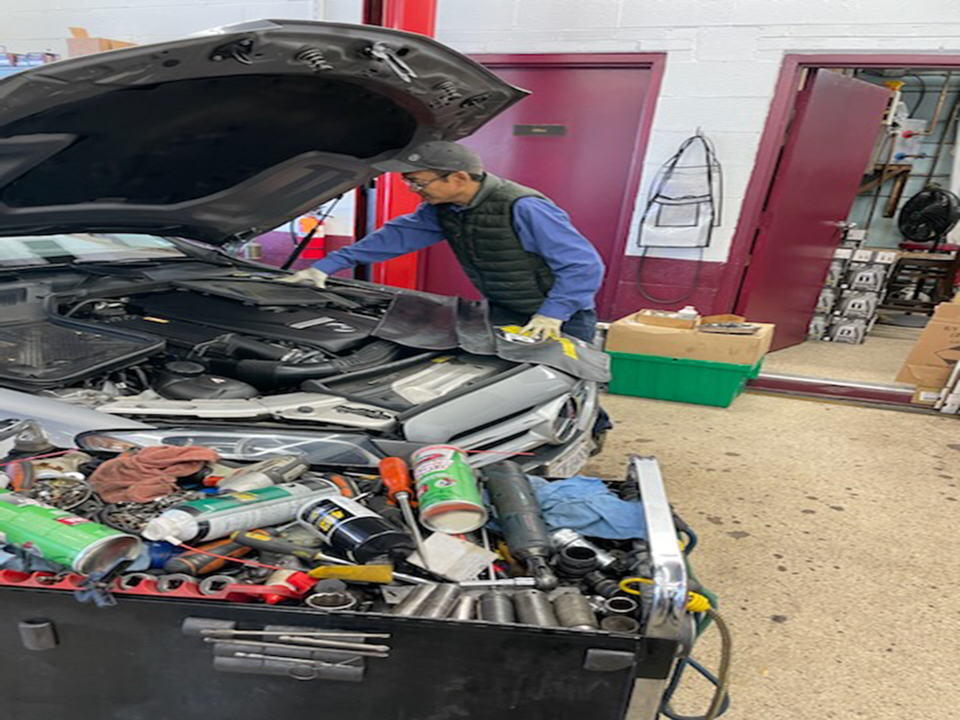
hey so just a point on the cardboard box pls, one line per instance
(936, 351)
(80, 43)
(631, 335)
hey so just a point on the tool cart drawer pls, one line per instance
(133, 662)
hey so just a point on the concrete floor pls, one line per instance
(877, 360)
(827, 532)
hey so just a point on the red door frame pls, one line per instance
(774, 135)
(656, 63)
(393, 197)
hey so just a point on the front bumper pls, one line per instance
(547, 439)
(543, 439)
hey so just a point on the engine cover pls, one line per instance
(332, 330)
(36, 355)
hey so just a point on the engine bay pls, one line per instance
(232, 348)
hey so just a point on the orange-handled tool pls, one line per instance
(396, 477)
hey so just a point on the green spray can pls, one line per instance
(62, 537)
(447, 492)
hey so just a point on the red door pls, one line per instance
(576, 140)
(822, 165)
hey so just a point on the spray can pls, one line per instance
(62, 537)
(355, 531)
(448, 495)
(220, 515)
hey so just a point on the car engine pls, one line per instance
(259, 349)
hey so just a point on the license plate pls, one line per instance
(571, 461)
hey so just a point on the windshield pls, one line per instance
(38, 250)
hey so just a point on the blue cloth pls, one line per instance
(587, 505)
(542, 227)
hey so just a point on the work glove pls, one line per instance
(310, 276)
(541, 327)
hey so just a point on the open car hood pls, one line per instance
(230, 133)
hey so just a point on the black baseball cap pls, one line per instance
(438, 155)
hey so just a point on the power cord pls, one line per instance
(720, 702)
(704, 604)
(687, 294)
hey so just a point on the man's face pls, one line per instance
(439, 187)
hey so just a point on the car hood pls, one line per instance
(229, 133)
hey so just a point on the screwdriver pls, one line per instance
(382, 574)
(199, 562)
(396, 477)
(267, 542)
(264, 541)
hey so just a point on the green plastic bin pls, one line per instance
(690, 381)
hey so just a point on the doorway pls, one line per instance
(579, 138)
(825, 247)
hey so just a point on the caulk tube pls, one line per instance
(219, 515)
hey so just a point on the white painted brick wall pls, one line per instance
(33, 25)
(723, 57)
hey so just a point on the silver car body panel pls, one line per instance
(249, 126)
(61, 421)
(440, 379)
(255, 444)
(513, 394)
(534, 429)
(304, 407)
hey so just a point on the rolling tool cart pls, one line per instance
(186, 654)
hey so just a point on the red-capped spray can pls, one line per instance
(447, 490)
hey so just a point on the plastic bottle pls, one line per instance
(689, 312)
(218, 516)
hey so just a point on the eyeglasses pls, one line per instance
(420, 186)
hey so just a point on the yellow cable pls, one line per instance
(696, 603)
(627, 582)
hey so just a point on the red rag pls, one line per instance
(148, 473)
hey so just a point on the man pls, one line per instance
(519, 249)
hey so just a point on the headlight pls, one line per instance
(248, 445)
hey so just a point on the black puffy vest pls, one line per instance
(486, 244)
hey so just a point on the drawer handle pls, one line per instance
(297, 668)
(602, 660)
(38, 634)
(292, 651)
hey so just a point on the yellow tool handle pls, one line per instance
(354, 573)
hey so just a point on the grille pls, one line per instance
(9, 298)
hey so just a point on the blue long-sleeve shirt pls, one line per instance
(542, 227)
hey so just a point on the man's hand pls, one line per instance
(541, 327)
(310, 276)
